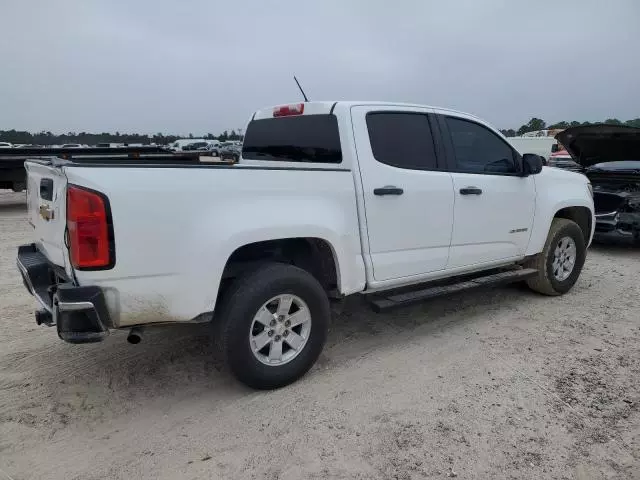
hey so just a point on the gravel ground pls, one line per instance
(494, 384)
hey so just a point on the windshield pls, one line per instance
(304, 138)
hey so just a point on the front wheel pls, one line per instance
(560, 262)
(273, 325)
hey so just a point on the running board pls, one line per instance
(385, 302)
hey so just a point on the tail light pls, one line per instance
(289, 110)
(89, 230)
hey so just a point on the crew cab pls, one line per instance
(397, 202)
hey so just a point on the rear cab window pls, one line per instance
(300, 138)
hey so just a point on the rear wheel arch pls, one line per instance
(312, 254)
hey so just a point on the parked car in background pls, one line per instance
(609, 155)
(215, 150)
(179, 145)
(196, 146)
(231, 152)
(6, 145)
(562, 159)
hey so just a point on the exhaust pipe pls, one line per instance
(135, 335)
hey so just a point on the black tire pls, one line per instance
(246, 295)
(545, 282)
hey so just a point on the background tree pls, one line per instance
(561, 124)
(532, 125)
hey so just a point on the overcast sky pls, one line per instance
(201, 66)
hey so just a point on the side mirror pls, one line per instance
(531, 164)
(555, 148)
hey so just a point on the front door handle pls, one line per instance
(471, 191)
(388, 190)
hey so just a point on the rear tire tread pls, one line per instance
(247, 293)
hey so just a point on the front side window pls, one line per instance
(478, 150)
(402, 139)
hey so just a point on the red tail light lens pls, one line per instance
(88, 226)
(289, 110)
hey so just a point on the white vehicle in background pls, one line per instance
(540, 145)
(179, 145)
(324, 202)
(6, 145)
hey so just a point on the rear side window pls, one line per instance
(478, 150)
(303, 138)
(402, 139)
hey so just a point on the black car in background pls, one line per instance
(231, 152)
(609, 156)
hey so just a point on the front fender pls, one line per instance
(557, 189)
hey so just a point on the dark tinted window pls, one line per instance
(402, 140)
(478, 149)
(303, 138)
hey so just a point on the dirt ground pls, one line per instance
(485, 385)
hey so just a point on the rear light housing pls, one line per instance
(90, 231)
(289, 110)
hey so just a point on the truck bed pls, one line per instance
(13, 174)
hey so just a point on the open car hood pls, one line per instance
(601, 143)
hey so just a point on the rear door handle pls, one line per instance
(388, 190)
(471, 191)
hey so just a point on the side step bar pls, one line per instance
(391, 300)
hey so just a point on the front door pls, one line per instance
(408, 196)
(494, 205)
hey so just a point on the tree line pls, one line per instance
(536, 124)
(49, 138)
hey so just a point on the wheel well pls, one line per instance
(311, 254)
(580, 215)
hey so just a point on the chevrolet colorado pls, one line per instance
(398, 202)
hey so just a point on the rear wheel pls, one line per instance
(560, 262)
(273, 325)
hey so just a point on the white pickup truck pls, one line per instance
(398, 202)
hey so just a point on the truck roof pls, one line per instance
(326, 107)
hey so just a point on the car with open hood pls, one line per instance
(609, 156)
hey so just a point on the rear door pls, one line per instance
(46, 203)
(408, 196)
(494, 205)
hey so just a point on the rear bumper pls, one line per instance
(79, 314)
